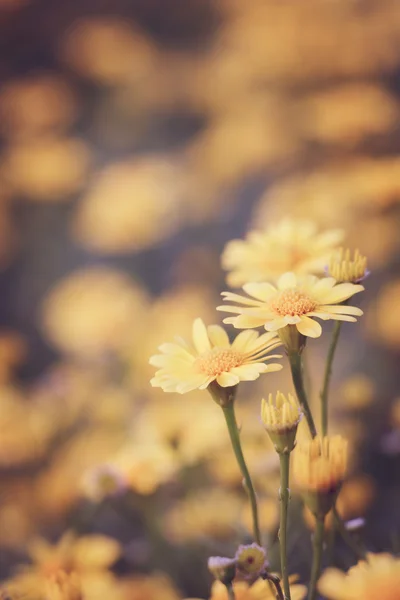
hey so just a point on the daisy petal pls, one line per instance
(309, 327)
(200, 337)
(227, 379)
(230, 296)
(275, 324)
(291, 320)
(344, 309)
(218, 336)
(260, 291)
(244, 339)
(339, 293)
(245, 321)
(286, 281)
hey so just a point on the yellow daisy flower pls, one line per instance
(259, 590)
(291, 245)
(377, 578)
(294, 301)
(213, 358)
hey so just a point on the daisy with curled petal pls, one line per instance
(290, 245)
(184, 367)
(293, 301)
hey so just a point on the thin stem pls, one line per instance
(327, 377)
(274, 579)
(317, 557)
(231, 593)
(347, 537)
(284, 498)
(296, 366)
(229, 413)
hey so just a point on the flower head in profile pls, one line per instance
(319, 468)
(291, 245)
(379, 577)
(251, 560)
(294, 301)
(347, 268)
(281, 416)
(184, 367)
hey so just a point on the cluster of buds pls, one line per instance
(319, 468)
(250, 562)
(281, 416)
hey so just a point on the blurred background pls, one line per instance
(137, 138)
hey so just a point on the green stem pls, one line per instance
(317, 557)
(347, 537)
(296, 366)
(275, 581)
(284, 498)
(229, 413)
(327, 377)
(231, 593)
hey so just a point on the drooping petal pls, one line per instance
(309, 327)
(200, 337)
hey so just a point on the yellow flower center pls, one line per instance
(293, 302)
(219, 360)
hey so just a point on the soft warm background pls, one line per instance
(137, 138)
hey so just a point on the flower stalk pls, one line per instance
(296, 367)
(327, 377)
(318, 542)
(284, 496)
(231, 593)
(230, 418)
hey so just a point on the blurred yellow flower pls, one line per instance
(357, 391)
(213, 358)
(212, 513)
(385, 322)
(88, 556)
(378, 577)
(293, 302)
(146, 466)
(156, 586)
(289, 245)
(63, 586)
(148, 204)
(36, 104)
(108, 50)
(260, 590)
(90, 311)
(46, 169)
